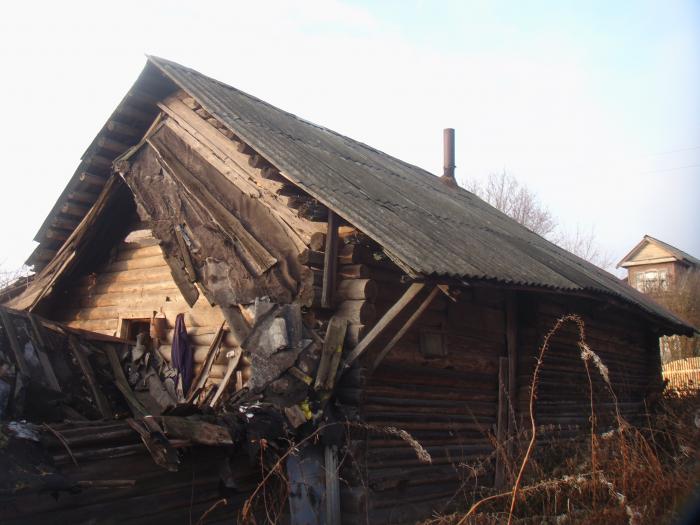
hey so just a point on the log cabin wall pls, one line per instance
(134, 283)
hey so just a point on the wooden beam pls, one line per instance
(56, 235)
(82, 196)
(71, 208)
(330, 262)
(100, 161)
(383, 323)
(11, 334)
(331, 353)
(135, 114)
(92, 180)
(112, 145)
(42, 254)
(137, 409)
(41, 345)
(124, 129)
(512, 348)
(501, 424)
(65, 223)
(406, 327)
(89, 374)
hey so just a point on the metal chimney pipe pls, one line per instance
(448, 173)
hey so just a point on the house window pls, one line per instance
(651, 281)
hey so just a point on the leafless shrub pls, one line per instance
(505, 193)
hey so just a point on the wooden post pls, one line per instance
(501, 424)
(332, 486)
(512, 346)
(14, 342)
(89, 374)
(41, 345)
(406, 327)
(330, 261)
(382, 324)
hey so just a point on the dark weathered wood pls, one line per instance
(512, 348)
(41, 346)
(65, 223)
(123, 129)
(111, 145)
(72, 208)
(14, 342)
(331, 353)
(57, 235)
(195, 431)
(212, 353)
(406, 327)
(317, 241)
(357, 312)
(330, 262)
(382, 324)
(501, 424)
(92, 180)
(137, 409)
(89, 374)
(185, 252)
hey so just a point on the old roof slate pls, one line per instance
(427, 227)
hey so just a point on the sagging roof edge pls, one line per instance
(154, 73)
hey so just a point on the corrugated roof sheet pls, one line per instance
(428, 227)
(432, 229)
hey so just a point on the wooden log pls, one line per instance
(311, 258)
(100, 161)
(356, 312)
(135, 114)
(11, 334)
(89, 375)
(330, 262)
(72, 208)
(91, 179)
(112, 145)
(194, 431)
(354, 334)
(57, 235)
(331, 353)
(317, 242)
(41, 344)
(124, 129)
(357, 289)
(137, 409)
(65, 223)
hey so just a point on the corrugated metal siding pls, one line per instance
(431, 228)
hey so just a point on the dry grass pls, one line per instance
(627, 475)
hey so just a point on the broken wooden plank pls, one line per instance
(89, 374)
(331, 353)
(185, 252)
(160, 448)
(501, 424)
(201, 377)
(406, 327)
(254, 254)
(233, 361)
(137, 409)
(40, 344)
(195, 431)
(14, 342)
(330, 262)
(382, 324)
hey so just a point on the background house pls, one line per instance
(653, 265)
(672, 277)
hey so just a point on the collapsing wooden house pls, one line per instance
(330, 282)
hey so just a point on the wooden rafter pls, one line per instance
(383, 323)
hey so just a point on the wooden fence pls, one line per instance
(683, 373)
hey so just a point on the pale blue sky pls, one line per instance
(593, 105)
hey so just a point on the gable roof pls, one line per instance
(676, 253)
(425, 226)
